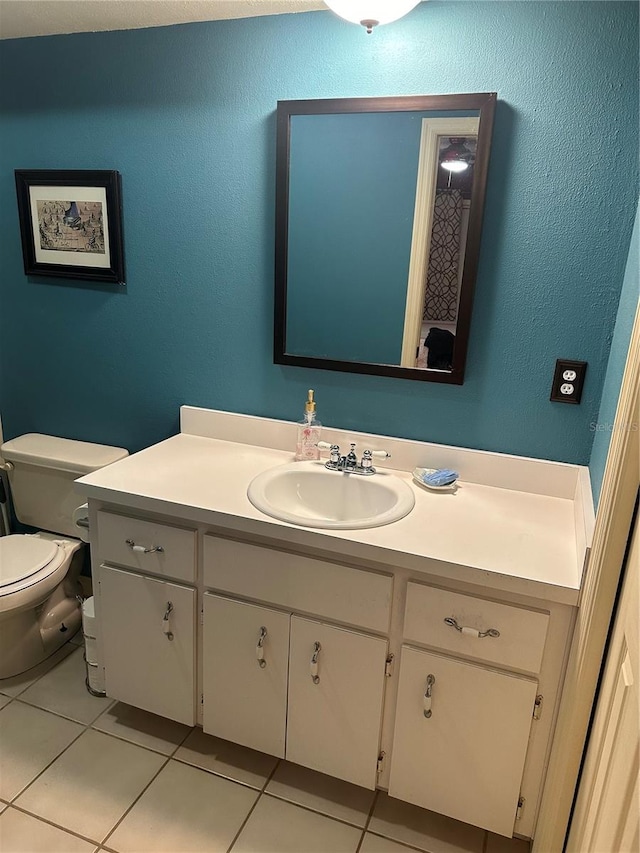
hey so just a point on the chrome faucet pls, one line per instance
(348, 464)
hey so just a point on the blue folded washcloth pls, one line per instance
(443, 477)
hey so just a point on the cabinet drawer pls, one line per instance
(177, 559)
(522, 632)
(340, 593)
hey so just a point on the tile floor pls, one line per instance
(81, 774)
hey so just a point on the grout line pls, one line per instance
(368, 820)
(251, 810)
(312, 810)
(221, 775)
(44, 770)
(272, 774)
(183, 741)
(401, 843)
(142, 792)
(122, 739)
(51, 823)
(58, 714)
(374, 803)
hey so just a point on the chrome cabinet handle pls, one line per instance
(166, 627)
(471, 632)
(431, 680)
(260, 648)
(314, 663)
(142, 550)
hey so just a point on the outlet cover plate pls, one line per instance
(568, 381)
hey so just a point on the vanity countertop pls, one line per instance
(500, 538)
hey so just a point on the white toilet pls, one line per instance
(39, 589)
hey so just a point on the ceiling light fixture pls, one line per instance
(371, 13)
(457, 157)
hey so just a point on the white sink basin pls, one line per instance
(307, 493)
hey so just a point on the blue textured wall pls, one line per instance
(604, 425)
(186, 114)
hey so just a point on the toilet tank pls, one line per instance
(42, 470)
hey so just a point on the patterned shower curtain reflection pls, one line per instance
(441, 291)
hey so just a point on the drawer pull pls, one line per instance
(140, 549)
(166, 627)
(260, 648)
(314, 663)
(471, 632)
(431, 680)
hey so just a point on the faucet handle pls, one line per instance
(334, 453)
(367, 462)
(379, 454)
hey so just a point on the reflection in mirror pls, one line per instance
(379, 207)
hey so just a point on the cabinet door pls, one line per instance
(466, 759)
(335, 704)
(145, 665)
(244, 679)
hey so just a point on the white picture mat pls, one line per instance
(84, 259)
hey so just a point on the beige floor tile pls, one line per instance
(226, 759)
(140, 727)
(63, 691)
(3, 806)
(500, 844)
(92, 784)
(30, 739)
(18, 683)
(278, 827)
(4, 700)
(376, 844)
(423, 829)
(321, 793)
(184, 810)
(21, 833)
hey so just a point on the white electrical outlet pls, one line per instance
(568, 380)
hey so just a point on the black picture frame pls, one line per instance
(81, 241)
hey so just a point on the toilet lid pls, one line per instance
(22, 556)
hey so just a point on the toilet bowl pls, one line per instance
(40, 597)
(40, 593)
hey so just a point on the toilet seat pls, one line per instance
(25, 560)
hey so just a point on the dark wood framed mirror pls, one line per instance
(379, 205)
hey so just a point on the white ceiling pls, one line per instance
(23, 18)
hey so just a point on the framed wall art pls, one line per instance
(71, 224)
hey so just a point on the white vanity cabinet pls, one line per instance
(326, 664)
(293, 687)
(461, 750)
(148, 619)
(336, 690)
(245, 655)
(462, 726)
(148, 643)
(288, 684)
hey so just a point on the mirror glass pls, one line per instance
(379, 208)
